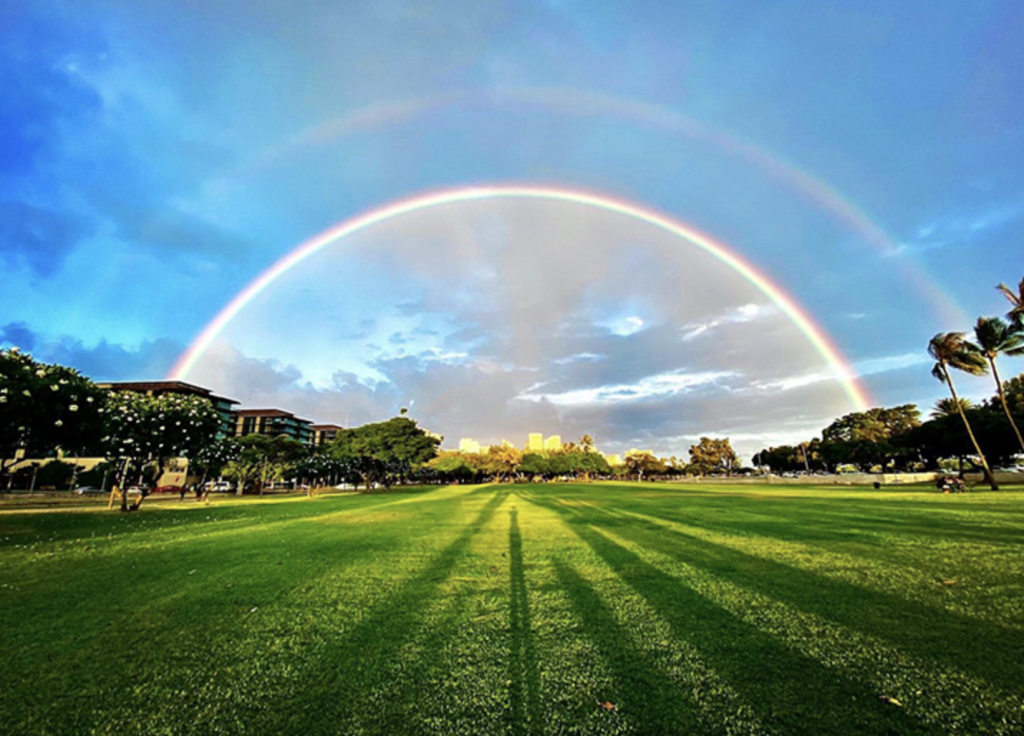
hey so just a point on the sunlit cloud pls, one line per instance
(580, 357)
(869, 367)
(744, 313)
(658, 386)
(624, 326)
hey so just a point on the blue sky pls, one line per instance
(155, 157)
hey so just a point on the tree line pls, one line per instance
(48, 407)
(896, 438)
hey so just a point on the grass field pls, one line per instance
(519, 609)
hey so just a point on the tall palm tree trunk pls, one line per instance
(989, 478)
(1002, 399)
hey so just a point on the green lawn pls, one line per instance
(519, 609)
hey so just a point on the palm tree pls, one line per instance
(1016, 299)
(947, 407)
(950, 349)
(994, 337)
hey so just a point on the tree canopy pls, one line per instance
(384, 452)
(713, 456)
(142, 429)
(45, 407)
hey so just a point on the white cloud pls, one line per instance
(624, 326)
(868, 367)
(580, 357)
(737, 315)
(657, 386)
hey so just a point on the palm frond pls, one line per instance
(949, 406)
(1016, 299)
(970, 362)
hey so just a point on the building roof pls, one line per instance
(180, 387)
(269, 413)
(326, 427)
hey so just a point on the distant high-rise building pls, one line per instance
(467, 444)
(535, 441)
(554, 442)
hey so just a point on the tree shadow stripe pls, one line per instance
(777, 687)
(931, 692)
(352, 667)
(915, 628)
(524, 692)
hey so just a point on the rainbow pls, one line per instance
(579, 103)
(799, 317)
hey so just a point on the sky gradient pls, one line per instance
(156, 158)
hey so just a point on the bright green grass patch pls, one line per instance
(519, 609)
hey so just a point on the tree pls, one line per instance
(713, 456)
(947, 437)
(995, 337)
(502, 461)
(866, 438)
(590, 463)
(948, 349)
(1016, 299)
(641, 464)
(149, 430)
(948, 407)
(384, 452)
(535, 464)
(1013, 390)
(455, 466)
(45, 407)
(214, 457)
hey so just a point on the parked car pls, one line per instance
(221, 486)
(84, 490)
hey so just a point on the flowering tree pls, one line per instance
(45, 407)
(214, 457)
(262, 459)
(145, 429)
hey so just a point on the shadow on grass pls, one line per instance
(168, 518)
(655, 704)
(989, 651)
(338, 692)
(860, 521)
(525, 689)
(787, 690)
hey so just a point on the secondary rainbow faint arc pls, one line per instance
(803, 321)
